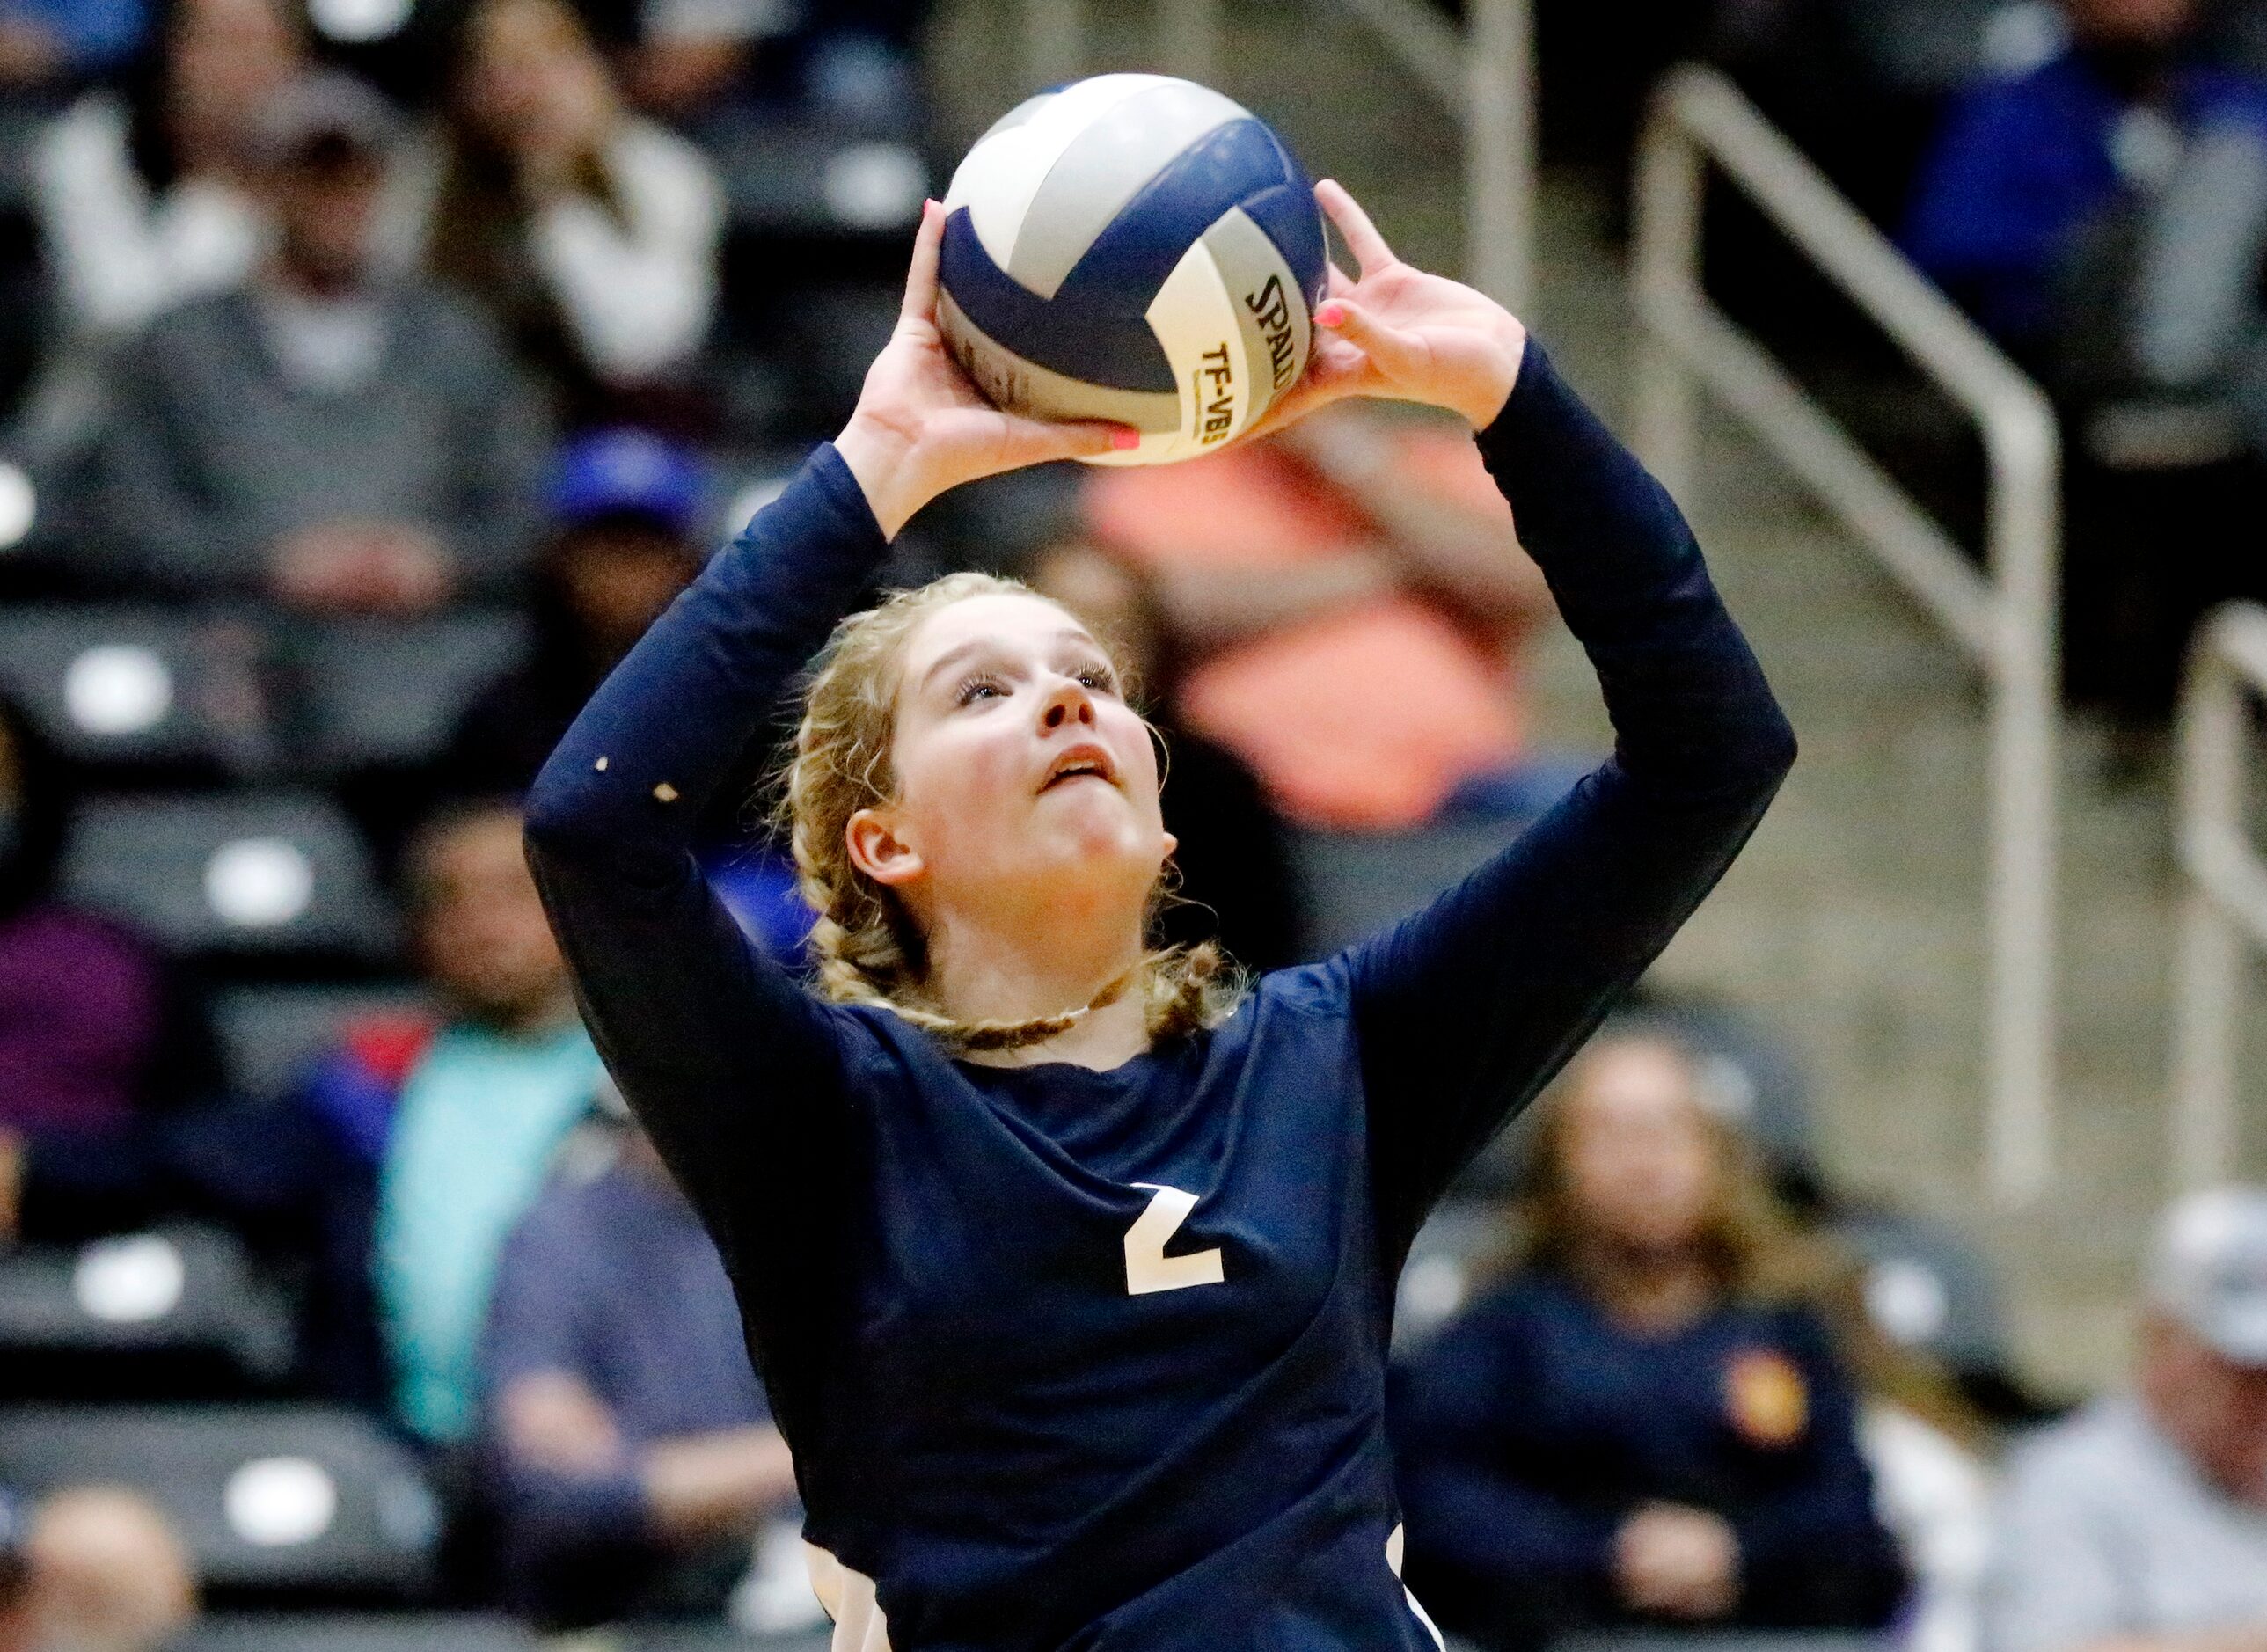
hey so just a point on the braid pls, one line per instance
(868, 950)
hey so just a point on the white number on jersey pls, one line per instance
(1148, 1267)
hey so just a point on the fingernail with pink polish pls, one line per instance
(1330, 315)
(1125, 441)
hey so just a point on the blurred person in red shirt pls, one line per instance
(1353, 607)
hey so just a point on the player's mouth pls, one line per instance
(1085, 761)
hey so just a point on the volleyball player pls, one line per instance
(1069, 1264)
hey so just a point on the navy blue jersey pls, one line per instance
(1097, 1360)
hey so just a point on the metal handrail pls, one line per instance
(1484, 77)
(2224, 897)
(2003, 616)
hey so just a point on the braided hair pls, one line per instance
(869, 948)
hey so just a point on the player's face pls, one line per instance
(1022, 773)
(1641, 1162)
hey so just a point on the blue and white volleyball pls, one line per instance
(1136, 248)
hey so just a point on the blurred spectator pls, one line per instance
(94, 1568)
(691, 61)
(1647, 1424)
(1304, 571)
(2141, 1525)
(53, 45)
(594, 230)
(2105, 213)
(625, 506)
(637, 1457)
(1233, 859)
(438, 1136)
(150, 195)
(342, 440)
(103, 1050)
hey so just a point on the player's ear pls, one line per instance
(1171, 843)
(876, 850)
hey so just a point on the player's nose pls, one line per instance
(1067, 703)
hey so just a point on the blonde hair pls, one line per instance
(869, 950)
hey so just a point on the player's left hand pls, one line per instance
(1400, 334)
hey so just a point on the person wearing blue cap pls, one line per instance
(626, 508)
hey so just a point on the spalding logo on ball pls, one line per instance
(1136, 248)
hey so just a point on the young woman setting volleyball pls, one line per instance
(1069, 1265)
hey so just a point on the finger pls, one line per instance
(921, 279)
(1394, 352)
(1036, 441)
(1368, 247)
(1337, 371)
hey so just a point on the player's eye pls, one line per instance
(978, 687)
(1099, 679)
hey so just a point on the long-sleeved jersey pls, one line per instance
(1097, 1358)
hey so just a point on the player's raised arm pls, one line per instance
(1468, 1007)
(691, 1019)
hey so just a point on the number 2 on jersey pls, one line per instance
(1148, 1267)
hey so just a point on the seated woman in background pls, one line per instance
(1647, 1423)
(146, 197)
(102, 1048)
(595, 230)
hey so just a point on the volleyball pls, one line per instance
(1136, 248)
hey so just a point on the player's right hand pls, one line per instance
(922, 428)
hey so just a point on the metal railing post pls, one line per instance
(2006, 619)
(1485, 76)
(2209, 962)
(2024, 557)
(1189, 39)
(2224, 901)
(1666, 276)
(1054, 41)
(1500, 150)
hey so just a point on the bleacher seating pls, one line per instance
(289, 1501)
(1447, 1267)
(248, 875)
(370, 693)
(1357, 883)
(1929, 1290)
(141, 689)
(269, 1034)
(176, 1313)
(409, 1633)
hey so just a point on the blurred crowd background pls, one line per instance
(373, 371)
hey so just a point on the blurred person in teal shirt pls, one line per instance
(437, 1132)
